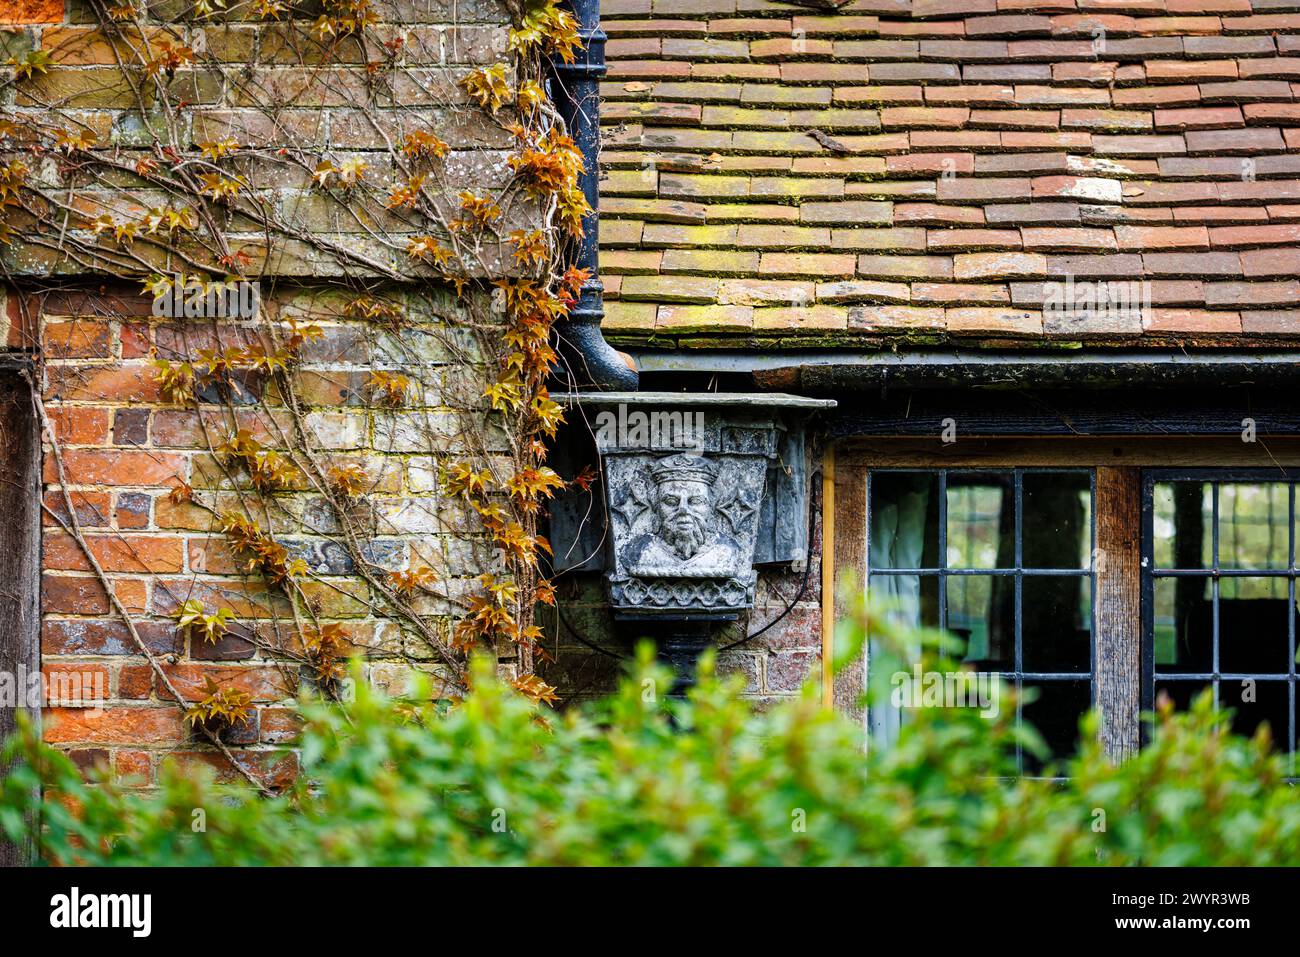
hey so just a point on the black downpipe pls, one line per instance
(575, 89)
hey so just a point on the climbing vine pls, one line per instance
(446, 262)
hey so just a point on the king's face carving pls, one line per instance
(682, 509)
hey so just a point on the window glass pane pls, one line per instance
(911, 599)
(904, 511)
(1258, 702)
(1055, 713)
(1183, 524)
(1254, 525)
(1181, 693)
(1057, 520)
(1056, 624)
(981, 520)
(1253, 636)
(981, 612)
(1184, 625)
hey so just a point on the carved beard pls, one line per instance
(684, 541)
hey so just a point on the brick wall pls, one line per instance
(125, 449)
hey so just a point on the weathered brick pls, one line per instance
(114, 725)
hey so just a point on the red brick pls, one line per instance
(1160, 145)
(280, 725)
(135, 682)
(93, 509)
(1150, 96)
(1231, 236)
(1199, 118)
(135, 383)
(1162, 237)
(78, 339)
(905, 267)
(135, 340)
(1243, 90)
(1279, 261)
(1022, 120)
(261, 683)
(105, 636)
(134, 767)
(115, 553)
(72, 595)
(1231, 142)
(1271, 322)
(118, 467)
(1271, 68)
(67, 683)
(949, 240)
(1193, 320)
(126, 725)
(993, 321)
(1252, 294)
(1191, 69)
(913, 117)
(956, 164)
(78, 425)
(956, 293)
(1067, 239)
(1004, 265)
(983, 190)
(275, 769)
(932, 214)
(889, 317)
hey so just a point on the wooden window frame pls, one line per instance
(1117, 461)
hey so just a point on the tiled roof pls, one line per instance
(926, 168)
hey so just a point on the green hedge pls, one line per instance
(637, 779)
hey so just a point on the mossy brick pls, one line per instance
(849, 167)
(893, 318)
(903, 239)
(668, 139)
(624, 316)
(630, 262)
(794, 187)
(766, 292)
(862, 290)
(714, 318)
(771, 94)
(879, 96)
(91, 46)
(695, 90)
(61, 87)
(714, 262)
(661, 289)
(807, 264)
(755, 212)
(738, 117)
(669, 235)
(690, 48)
(757, 236)
(654, 210)
(753, 141)
(632, 182)
(999, 265)
(819, 317)
(653, 114)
